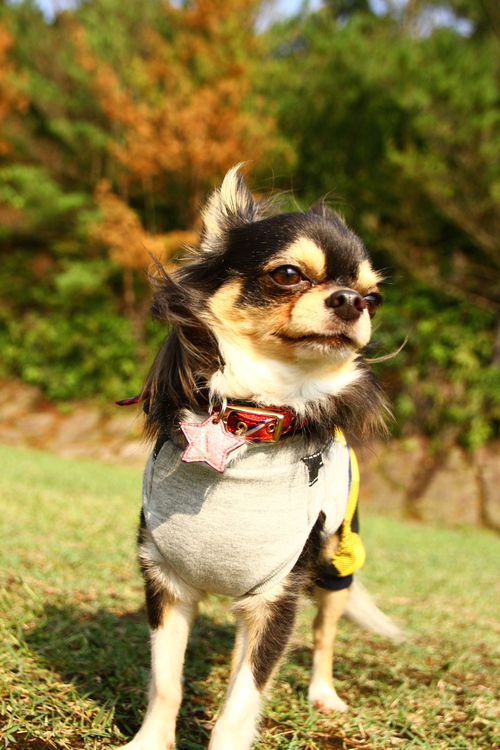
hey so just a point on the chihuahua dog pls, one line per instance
(250, 491)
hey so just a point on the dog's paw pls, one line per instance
(143, 743)
(325, 699)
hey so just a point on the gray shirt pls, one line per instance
(242, 531)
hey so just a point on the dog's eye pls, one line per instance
(373, 302)
(286, 275)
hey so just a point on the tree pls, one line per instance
(405, 128)
(182, 109)
(12, 98)
(450, 155)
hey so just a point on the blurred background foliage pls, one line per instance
(117, 117)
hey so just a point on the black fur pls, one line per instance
(156, 598)
(281, 613)
(274, 636)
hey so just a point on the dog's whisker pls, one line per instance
(385, 357)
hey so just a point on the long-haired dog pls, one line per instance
(250, 490)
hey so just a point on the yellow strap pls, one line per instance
(350, 554)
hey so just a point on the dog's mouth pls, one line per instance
(329, 340)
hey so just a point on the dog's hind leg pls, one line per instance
(322, 693)
(265, 623)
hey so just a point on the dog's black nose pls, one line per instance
(346, 303)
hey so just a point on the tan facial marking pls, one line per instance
(226, 311)
(367, 278)
(247, 325)
(310, 315)
(305, 254)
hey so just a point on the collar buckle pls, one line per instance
(262, 424)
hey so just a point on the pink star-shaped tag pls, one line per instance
(209, 442)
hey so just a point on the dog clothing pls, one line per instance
(242, 531)
(350, 554)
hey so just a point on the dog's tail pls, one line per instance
(362, 610)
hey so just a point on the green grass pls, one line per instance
(73, 668)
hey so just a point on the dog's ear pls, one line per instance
(229, 206)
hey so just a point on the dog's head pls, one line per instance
(272, 309)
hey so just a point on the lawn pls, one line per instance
(73, 669)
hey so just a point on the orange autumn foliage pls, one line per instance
(182, 109)
(120, 229)
(11, 98)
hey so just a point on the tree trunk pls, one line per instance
(495, 360)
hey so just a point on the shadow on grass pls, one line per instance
(106, 657)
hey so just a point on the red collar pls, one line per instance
(257, 424)
(250, 422)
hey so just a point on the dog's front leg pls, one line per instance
(322, 693)
(265, 623)
(170, 622)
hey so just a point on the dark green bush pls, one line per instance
(442, 383)
(67, 333)
(71, 356)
